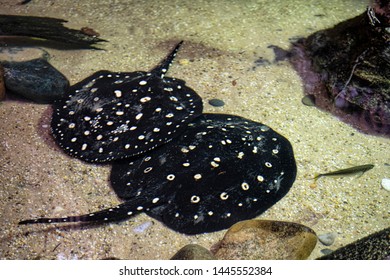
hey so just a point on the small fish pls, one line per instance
(361, 169)
(222, 169)
(115, 115)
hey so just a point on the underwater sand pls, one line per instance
(223, 39)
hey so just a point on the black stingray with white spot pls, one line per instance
(222, 169)
(115, 115)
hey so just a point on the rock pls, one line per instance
(35, 79)
(309, 100)
(265, 239)
(216, 102)
(327, 238)
(386, 184)
(326, 251)
(347, 69)
(193, 252)
(375, 246)
(19, 54)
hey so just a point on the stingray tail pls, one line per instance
(118, 213)
(163, 67)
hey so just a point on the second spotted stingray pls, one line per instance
(115, 115)
(222, 169)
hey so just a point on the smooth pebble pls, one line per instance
(309, 100)
(386, 184)
(326, 251)
(327, 238)
(193, 252)
(216, 102)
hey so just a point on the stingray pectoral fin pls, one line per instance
(118, 213)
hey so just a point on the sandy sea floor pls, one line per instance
(223, 39)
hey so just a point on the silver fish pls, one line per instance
(360, 169)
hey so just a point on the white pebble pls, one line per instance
(386, 184)
(327, 238)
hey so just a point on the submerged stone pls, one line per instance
(309, 100)
(385, 183)
(266, 239)
(327, 238)
(193, 252)
(216, 102)
(35, 79)
(346, 69)
(20, 54)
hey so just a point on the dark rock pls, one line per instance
(375, 246)
(326, 251)
(35, 79)
(264, 239)
(19, 54)
(193, 252)
(309, 100)
(347, 69)
(216, 102)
